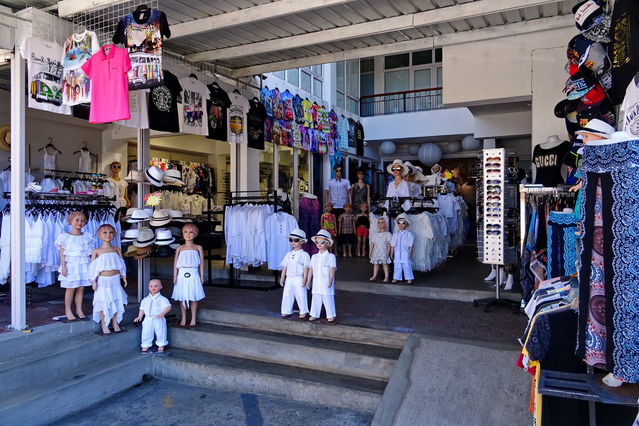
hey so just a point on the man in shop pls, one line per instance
(337, 192)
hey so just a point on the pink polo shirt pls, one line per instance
(107, 70)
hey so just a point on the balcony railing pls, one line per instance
(400, 102)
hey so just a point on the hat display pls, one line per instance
(602, 110)
(129, 212)
(130, 235)
(597, 127)
(582, 82)
(397, 163)
(163, 237)
(587, 14)
(160, 217)
(402, 216)
(176, 216)
(173, 177)
(145, 238)
(138, 215)
(298, 233)
(565, 107)
(155, 175)
(323, 233)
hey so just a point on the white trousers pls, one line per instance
(328, 300)
(154, 326)
(406, 267)
(294, 291)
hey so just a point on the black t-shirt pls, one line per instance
(255, 124)
(359, 138)
(548, 164)
(624, 47)
(352, 133)
(163, 111)
(216, 108)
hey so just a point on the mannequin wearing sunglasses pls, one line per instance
(399, 186)
(121, 198)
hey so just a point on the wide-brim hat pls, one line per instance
(163, 237)
(176, 216)
(396, 163)
(323, 233)
(160, 217)
(130, 235)
(145, 238)
(597, 127)
(128, 214)
(138, 215)
(298, 233)
(155, 175)
(130, 251)
(411, 168)
(402, 216)
(616, 137)
(173, 177)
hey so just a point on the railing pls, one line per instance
(400, 102)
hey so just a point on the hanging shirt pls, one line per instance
(255, 120)
(44, 74)
(267, 101)
(163, 106)
(548, 164)
(276, 104)
(138, 105)
(308, 113)
(630, 108)
(359, 138)
(342, 133)
(237, 126)
(352, 133)
(107, 70)
(141, 34)
(77, 49)
(623, 49)
(216, 109)
(298, 109)
(287, 105)
(278, 227)
(321, 264)
(195, 94)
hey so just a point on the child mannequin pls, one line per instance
(380, 249)
(75, 255)
(106, 269)
(329, 222)
(321, 273)
(153, 309)
(401, 250)
(346, 229)
(293, 276)
(188, 274)
(361, 229)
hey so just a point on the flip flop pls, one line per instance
(312, 319)
(148, 351)
(162, 352)
(332, 322)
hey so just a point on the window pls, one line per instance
(422, 58)
(280, 74)
(347, 85)
(367, 84)
(340, 100)
(305, 81)
(396, 81)
(396, 61)
(317, 69)
(422, 79)
(367, 65)
(293, 76)
(438, 54)
(317, 87)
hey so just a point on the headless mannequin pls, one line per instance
(116, 167)
(550, 143)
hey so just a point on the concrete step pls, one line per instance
(38, 366)
(74, 389)
(346, 358)
(337, 332)
(276, 380)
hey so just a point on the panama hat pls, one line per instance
(403, 217)
(130, 235)
(163, 237)
(145, 238)
(176, 216)
(138, 215)
(298, 233)
(155, 175)
(323, 233)
(173, 177)
(397, 163)
(597, 127)
(130, 251)
(160, 217)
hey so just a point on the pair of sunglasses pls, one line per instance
(493, 232)
(321, 242)
(492, 165)
(493, 204)
(494, 198)
(493, 159)
(294, 240)
(493, 181)
(397, 169)
(495, 226)
(402, 222)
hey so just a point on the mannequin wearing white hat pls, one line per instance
(293, 276)
(399, 186)
(402, 249)
(321, 278)
(122, 198)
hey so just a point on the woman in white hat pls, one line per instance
(293, 276)
(398, 187)
(321, 278)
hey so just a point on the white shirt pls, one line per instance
(277, 228)
(194, 97)
(321, 264)
(236, 124)
(139, 107)
(338, 192)
(154, 305)
(401, 242)
(295, 262)
(630, 108)
(398, 191)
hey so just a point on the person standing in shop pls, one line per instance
(338, 192)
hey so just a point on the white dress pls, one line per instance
(109, 297)
(77, 252)
(84, 162)
(188, 286)
(380, 242)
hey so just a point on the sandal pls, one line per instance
(312, 319)
(145, 352)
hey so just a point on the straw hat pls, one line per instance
(160, 217)
(138, 215)
(597, 127)
(145, 238)
(163, 237)
(298, 233)
(173, 177)
(323, 233)
(176, 216)
(411, 168)
(130, 235)
(396, 163)
(402, 217)
(419, 175)
(155, 175)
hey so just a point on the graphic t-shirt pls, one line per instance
(287, 105)
(216, 110)
(297, 136)
(323, 120)
(308, 113)
(630, 108)
(163, 109)
(352, 133)
(276, 104)
(141, 33)
(237, 126)
(77, 49)
(255, 120)
(107, 70)
(44, 71)
(298, 109)
(267, 101)
(359, 138)
(268, 129)
(138, 105)
(548, 164)
(195, 94)
(342, 133)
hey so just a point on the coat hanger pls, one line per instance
(141, 9)
(50, 145)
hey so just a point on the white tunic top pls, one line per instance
(154, 305)
(278, 227)
(321, 263)
(107, 262)
(401, 241)
(295, 262)
(188, 259)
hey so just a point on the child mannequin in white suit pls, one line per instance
(153, 309)
(401, 250)
(293, 277)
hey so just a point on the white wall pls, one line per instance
(502, 124)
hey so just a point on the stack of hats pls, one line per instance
(173, 177)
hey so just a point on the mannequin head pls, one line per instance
(595, 130)
(116, 168)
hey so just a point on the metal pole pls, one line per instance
(143, 157)
(18, 286)
(296, 183)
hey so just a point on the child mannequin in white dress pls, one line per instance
(380, 250)
(188, 274)
(106, 269)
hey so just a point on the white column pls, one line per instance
(143, 156)
(296, 183)
(276, 166)
(252, 169)
(18, 287)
